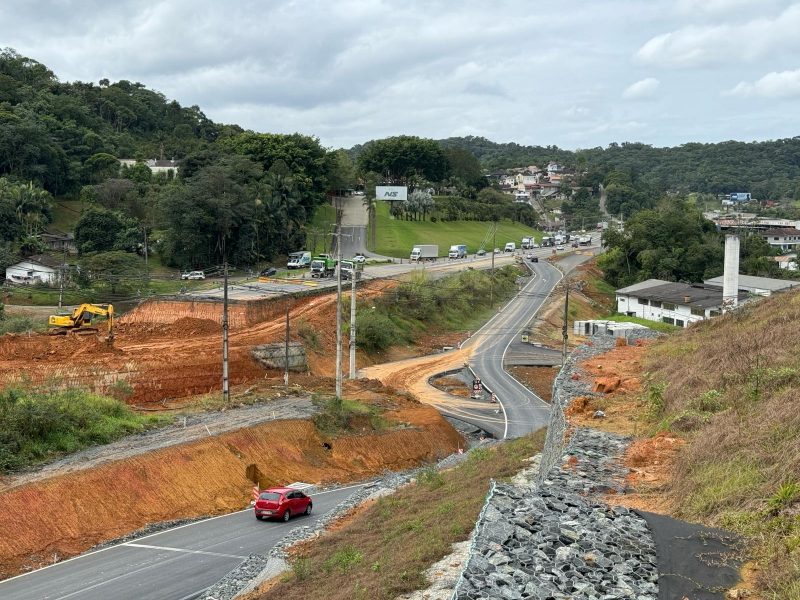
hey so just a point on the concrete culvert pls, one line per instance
(327, 446)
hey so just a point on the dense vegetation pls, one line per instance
(730, 386)
(769, 170)
(36, 426)
(674, 242)
(417, 305)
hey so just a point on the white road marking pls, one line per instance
(107, 548)
(148, 546)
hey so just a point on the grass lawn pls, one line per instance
(663, 327)
(384, 551)
(66, 214)
(396, 237)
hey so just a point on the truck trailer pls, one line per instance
(422, 252)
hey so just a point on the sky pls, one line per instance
(572, 73)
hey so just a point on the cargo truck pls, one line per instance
(351, 269)
(584, 240)
(422, 252)
(322, 266)
(527, 243)
(510, 247)
(298, 260)
(458, 251)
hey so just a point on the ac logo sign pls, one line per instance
(391, 192)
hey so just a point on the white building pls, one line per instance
(36, 269)
(675, 303)
(155, 166)
(758, 286)
(785, 238)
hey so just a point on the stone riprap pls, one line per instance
(556, 540)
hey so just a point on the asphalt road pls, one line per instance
(523, 410)
(177, 564)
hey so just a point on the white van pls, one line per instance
(298, 260)
(510, 247)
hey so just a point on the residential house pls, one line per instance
(786, 261)
(675, 303)
(785, 238)
(35, 269)
(170, 167)
(59, 242)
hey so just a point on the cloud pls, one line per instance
(708, 45)
(644, 88)
(785, 84)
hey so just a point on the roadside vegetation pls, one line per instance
(730, 386)
(453, 303)
(383, 551)
(341, 416)
(40, 425)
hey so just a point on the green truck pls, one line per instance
(323, 266)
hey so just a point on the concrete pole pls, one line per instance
(353, 322)
(226, 395)
(730, 278)
(338, 311)
(286, 351)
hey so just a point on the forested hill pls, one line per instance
(769, 170)
(62, 135)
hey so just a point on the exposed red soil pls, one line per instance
(170, 349)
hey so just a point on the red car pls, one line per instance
(282, 503)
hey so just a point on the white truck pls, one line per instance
(585, 240)
(510, 247)
(422, 252)
(527, 243)
(299, 260)
(457, 251)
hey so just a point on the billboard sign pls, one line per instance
(391, 192)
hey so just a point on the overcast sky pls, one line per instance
(574, 73)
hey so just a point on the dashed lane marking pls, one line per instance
(151, 547)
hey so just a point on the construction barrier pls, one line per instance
(256, 492)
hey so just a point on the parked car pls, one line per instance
(359, 258)
(560, 247)
(268, 272)
(282, 503)
(481, 252)
(193, 275)
(574, 244)
(497, 250)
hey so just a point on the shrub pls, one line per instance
(35, 426)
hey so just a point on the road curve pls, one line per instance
(524, 411)
(176, 564)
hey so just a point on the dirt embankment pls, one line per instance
(65, 515)
(170, 349)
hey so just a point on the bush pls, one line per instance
(35, 426)
(376, 331)
(17, 325)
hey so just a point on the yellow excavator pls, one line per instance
(82, 320)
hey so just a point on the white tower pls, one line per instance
(730, 277)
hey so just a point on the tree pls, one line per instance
(97, 230)
(117, 271)
(403, 157)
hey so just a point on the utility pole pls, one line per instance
(338, 309)
(63, 276)
(353, 322)
(564, 328)
(286, 354)
(226, 395)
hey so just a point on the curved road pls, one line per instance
(524, 411)
(176, 564)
